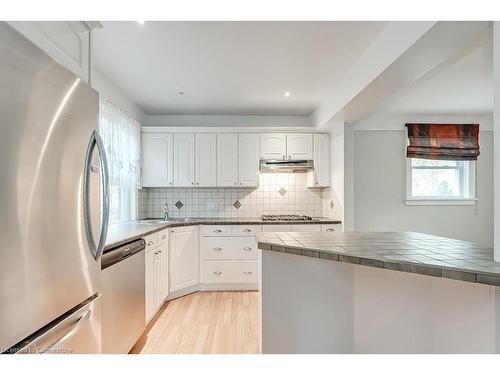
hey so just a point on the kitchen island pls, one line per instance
(377, 292)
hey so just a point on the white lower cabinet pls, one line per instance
(184, 258)
(156, 263)
(331, 227)
(228, 255)
(234, 272)
(306, 228)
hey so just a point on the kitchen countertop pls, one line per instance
(400, 251)
(120, 233)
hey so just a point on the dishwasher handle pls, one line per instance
(122, 252)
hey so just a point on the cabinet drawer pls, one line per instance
(331, 227)
(306, 228)
(229, 272)
(228, 248)
(277, 228)
(162, 237)
(151, 241)
(215, 230)
(246, 230)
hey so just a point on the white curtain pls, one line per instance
(121, 135)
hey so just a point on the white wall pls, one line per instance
(227, 120)
(496, 75)
(108, 90)
(380, 177)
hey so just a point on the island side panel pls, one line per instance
(398, 312)
(306, 305)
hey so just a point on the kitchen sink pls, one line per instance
(162, 221)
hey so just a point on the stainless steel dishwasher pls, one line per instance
(123, 289)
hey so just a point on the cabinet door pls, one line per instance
(68, 42)
(272, 146)
(206, 159)
(184, 258)
(184, 159)
(227, 160)
(161, 275)
(320, 175)
(150, 261)
(299, 146)
(248, 159)
(157, 159)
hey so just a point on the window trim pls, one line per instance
(441, 201)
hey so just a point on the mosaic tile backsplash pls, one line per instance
(278, 193)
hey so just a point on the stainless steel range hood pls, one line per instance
(283, 166)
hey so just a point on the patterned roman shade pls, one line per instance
(443, 141)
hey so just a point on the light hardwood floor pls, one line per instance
(204, 322)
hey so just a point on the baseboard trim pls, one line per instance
(213, 287)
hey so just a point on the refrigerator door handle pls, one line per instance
(95, 140)
(56, 344)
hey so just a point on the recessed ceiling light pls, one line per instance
(287, 93)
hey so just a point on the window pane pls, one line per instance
(435, 163)
(436, 183)
(114, 203)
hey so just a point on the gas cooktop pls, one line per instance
(286, 218)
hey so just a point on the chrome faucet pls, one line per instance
(165, 212)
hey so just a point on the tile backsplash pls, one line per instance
(278, 193)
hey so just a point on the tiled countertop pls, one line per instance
(400, 251)
(128, 231)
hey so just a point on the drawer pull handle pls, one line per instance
(217, 273)
(247, 230)
(217, 230)
(217, 248)
(247, 272)
(247, 248)
(330, 230)
(150, 243)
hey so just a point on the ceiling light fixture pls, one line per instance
(141, 22)
(287, 93)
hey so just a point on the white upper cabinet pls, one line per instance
(227, 159)
(248, 159)
(320, 176)
(299, 146)
(184, 150)
(273, 146)
(68, 42)
(206, 159)
(157, 159)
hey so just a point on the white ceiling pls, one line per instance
(237, 68)
(464, 87)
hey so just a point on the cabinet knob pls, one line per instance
(171, 183)
(150, 243)
(217, 273)
(192, 183)
(247, 272)
(217, 230)
(163, 237)
(197, 183)
(217, 248)
(159, 252)
(247, 230)
(330, 230)
(236, 183)
(284, 157)
(246, 248)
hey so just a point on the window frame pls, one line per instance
(470, 176)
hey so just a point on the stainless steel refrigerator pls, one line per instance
(53, 204)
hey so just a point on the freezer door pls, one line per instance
(77, 332)
(51, 169)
